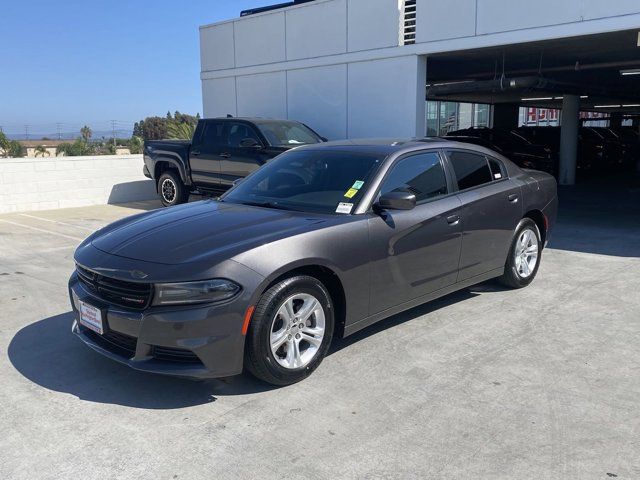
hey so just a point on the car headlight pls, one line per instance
(205, 291)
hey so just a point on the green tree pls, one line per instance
(137, 129)
(10, 148)
(85, 133)
(41, 151)
(78, 148)
(157, 128)
(181, 131)
(136, 144)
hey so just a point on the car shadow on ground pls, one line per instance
(48, 354)
(411, 314)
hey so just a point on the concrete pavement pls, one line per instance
(538, 383)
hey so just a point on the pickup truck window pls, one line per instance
(239, 132)
(213, 134)
(287, 134)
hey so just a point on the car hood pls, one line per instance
(201, 231)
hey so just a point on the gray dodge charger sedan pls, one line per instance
(321, 242)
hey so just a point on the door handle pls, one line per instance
(513, 198)
(225, 155)
(453, 219)
(195, 153)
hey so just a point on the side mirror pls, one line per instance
(397, 200)
(324, 139)
(251, 143)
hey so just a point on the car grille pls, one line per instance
(119, 343)
(170, 354)
(125, 346)
(126, 294)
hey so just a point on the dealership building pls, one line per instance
(405, 68)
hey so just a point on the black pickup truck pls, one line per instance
(222, 151)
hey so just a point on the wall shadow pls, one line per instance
(135, 191)
(48, 354)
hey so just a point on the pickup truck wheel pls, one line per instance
(171, 189)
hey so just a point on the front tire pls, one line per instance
(290, 332)
(524, 255)
(171, 190)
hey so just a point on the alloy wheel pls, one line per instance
(526, 253)
(168, 190)
(297, 331)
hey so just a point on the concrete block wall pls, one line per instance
(49, 183)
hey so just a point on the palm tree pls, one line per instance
(41, 151)
(86, 133)
(180, 131)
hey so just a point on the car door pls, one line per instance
(204, 156)
(491, 210)
(238, 161)
(415, 252)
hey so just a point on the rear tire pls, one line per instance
(290, 331)
(171, 190)
(524, 255)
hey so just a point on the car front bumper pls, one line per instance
(200, 341)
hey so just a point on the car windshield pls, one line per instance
(287, 134)
(323, 181)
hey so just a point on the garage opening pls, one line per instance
(568, 106)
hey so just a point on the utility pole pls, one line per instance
(59, 127)
(113, 129)
(26, 132)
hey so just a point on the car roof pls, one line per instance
(388, 146)
(252, 119)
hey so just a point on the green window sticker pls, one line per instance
(358, 185)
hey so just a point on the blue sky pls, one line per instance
(92, 61)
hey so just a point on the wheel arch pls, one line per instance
(327, 276)
(163, 164)
(541, 222)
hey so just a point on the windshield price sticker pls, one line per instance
(344, 208)
(358, 185)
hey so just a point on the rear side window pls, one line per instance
(213, 134)
(420, 174)
(471, 169)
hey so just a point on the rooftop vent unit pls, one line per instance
(253, 11)
(408, 22)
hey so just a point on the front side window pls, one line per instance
(239, 132)
(420, 174)
(287, 134)
(471, 169)
(324, 181)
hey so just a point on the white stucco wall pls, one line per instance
(338, 66)
(60, 182)
(318, 96)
